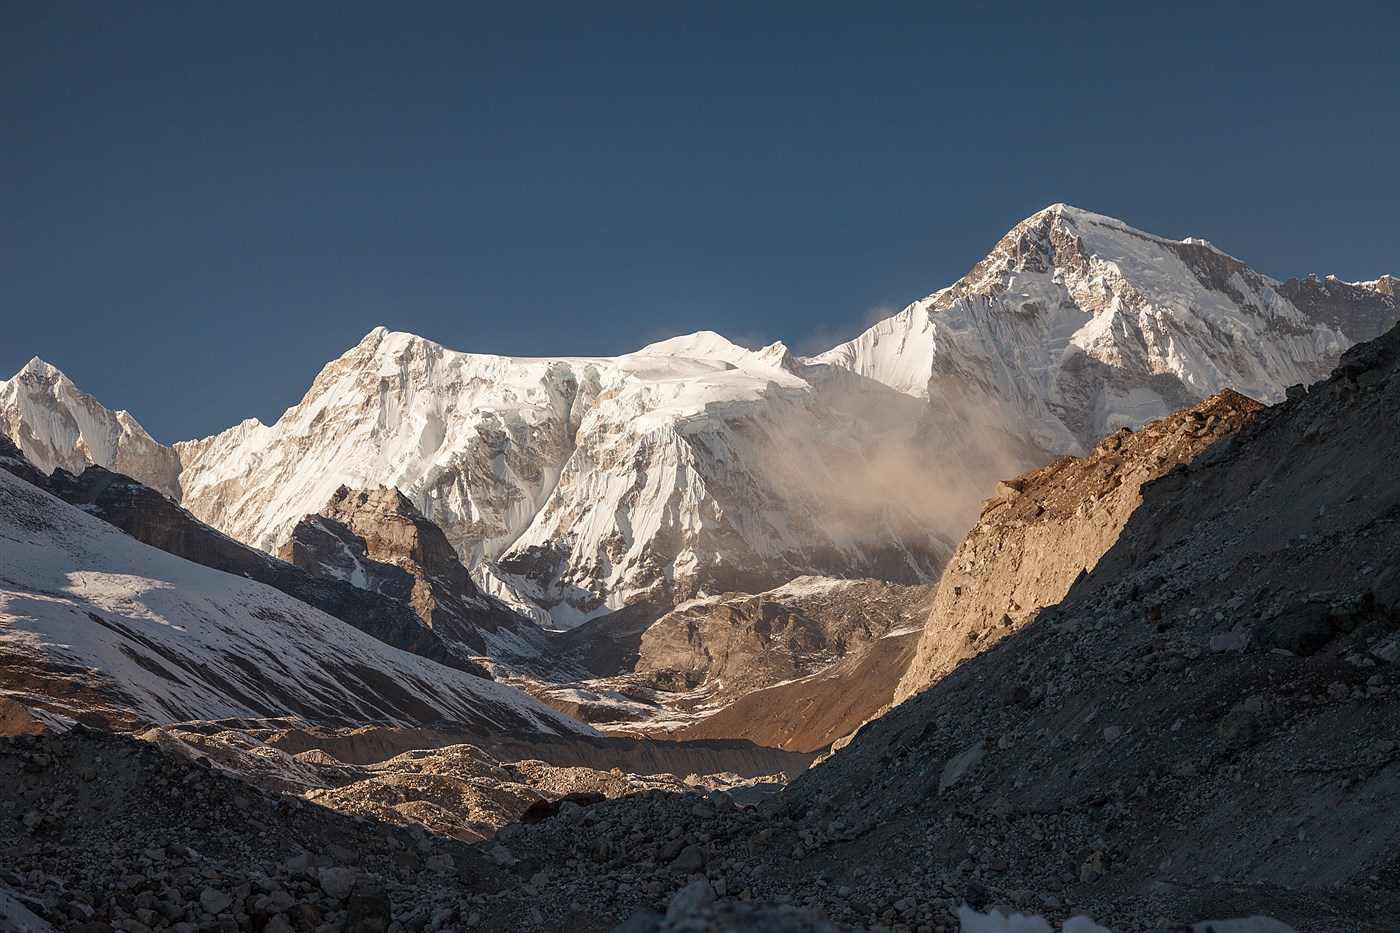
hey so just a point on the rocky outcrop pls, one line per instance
(377, 540)
(1048, 529)
(13, 460)
(811, 713)
(747, 642)
(792, 668)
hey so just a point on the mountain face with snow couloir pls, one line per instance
(575, 486)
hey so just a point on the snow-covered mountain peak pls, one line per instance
(777, 354)
(708, 346)
(1069, 214)
(701, 345)
(40, 368)
(58, 425)
(1076, 324)
(382, 348)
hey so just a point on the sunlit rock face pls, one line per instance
(1045, 530)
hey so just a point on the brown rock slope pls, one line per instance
(747, 642)
(793, 668)
(809, 714)
(1046, 529)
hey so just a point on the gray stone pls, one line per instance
(214, 902)
(954, 770)
(692, 858)
(689, 901)
(338, 882)
(1233, 640)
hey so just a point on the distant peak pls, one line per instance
(381, 341)
(703, 344)
(1073, 215)
(40, 368)
(1386, 285)
(776, 354)
(1080, 220)
(374, 338)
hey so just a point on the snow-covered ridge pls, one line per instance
(575, 472)
(176, 641)
(695, 466)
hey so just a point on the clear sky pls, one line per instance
(201, 204)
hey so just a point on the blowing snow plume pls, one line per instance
(913, 482)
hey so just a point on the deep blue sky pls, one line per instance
(201, 204)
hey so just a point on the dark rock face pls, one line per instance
(379, 541)
(13, 459)
(1359, 312)
(152, 518)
